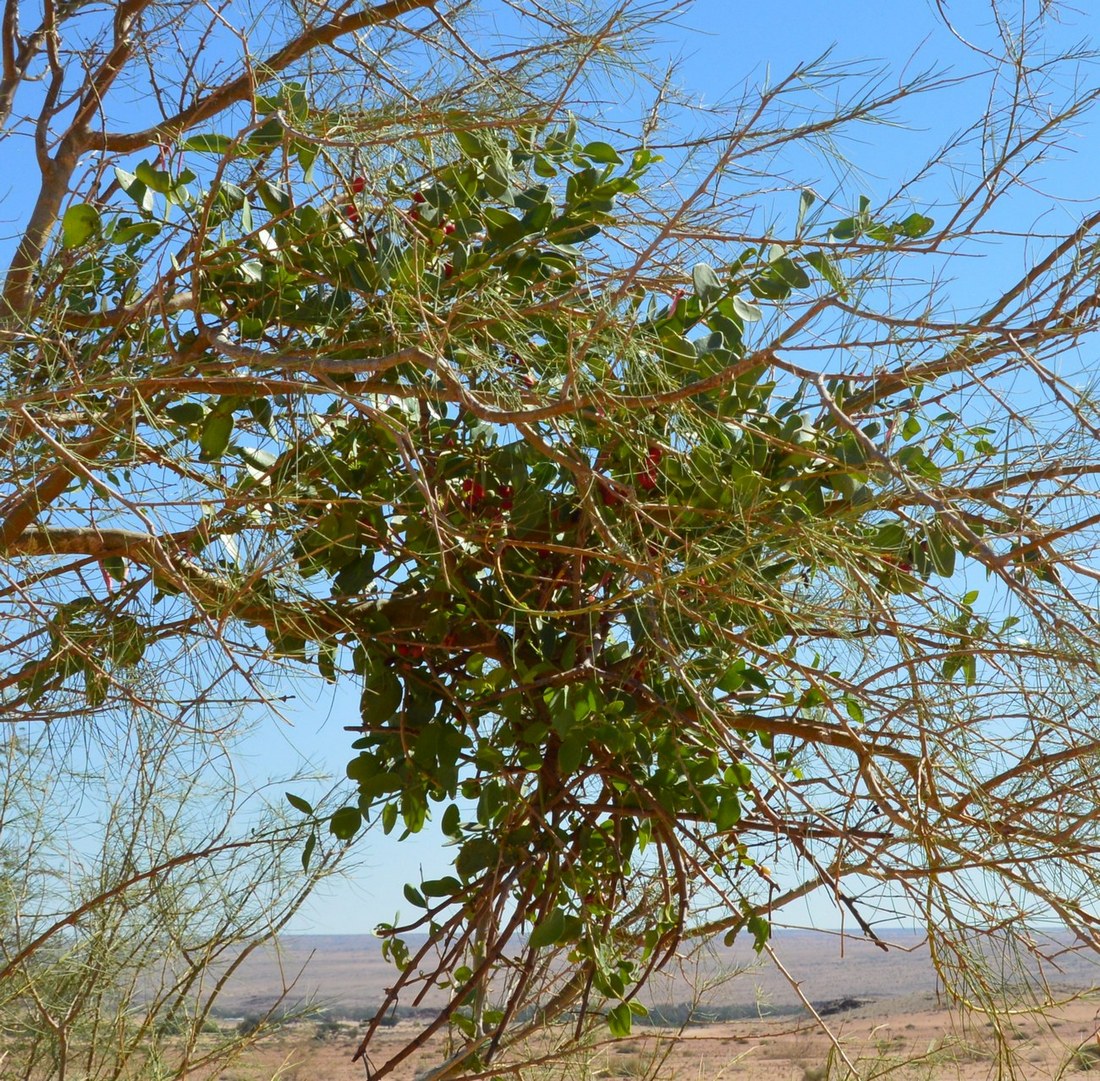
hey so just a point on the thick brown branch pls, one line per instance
(241, 88)
(238, 597)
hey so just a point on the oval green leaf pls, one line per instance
(79, 225)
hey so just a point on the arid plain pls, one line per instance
(881, 1013)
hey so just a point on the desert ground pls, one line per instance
(883, 1015)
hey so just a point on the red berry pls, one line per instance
(655, 454)
(609, 497)
(351, 212)
(413, 215)
(412, 650)
(647, 479)
(419, 197)
(473, 493)
(358, 184)
(506, 494)
(448, 269)
(448, 228)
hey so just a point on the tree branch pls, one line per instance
(242, 87)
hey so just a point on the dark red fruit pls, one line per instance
(358, 184)
(419, 197)
(448, 269)
(351, 212)
(448, 228)
(647, 478)
(410, 649)
(506, 494)
(473, 494)
(609, 497)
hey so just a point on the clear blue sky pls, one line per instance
(725, 48)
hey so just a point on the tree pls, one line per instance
(655, 538)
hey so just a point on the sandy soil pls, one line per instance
(902, 1031)
(902, 1038)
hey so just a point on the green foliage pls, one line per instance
(546, 629)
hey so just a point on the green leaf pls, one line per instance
(115, 566)
(145, 230)
(604, 153)
(477, 854)
(543, 167)
(345, 823)
(971, 597)
(728, 813)
(262, 413)
(450, 824)
(708, 288)
(381, 697)
(80, 223)
(326, 662)
(761, 931)
(260, 460)
(299, 804)
(806, 199)
(158, 180)
(275, 198)
(571, 753)
(307, 851)
(619, 1019)
(134, 188)
(216, 430)
(746, 312)
(414, 896)
(207, 144)
(186, 412)
(549, 931)
(355, 576)
(441, 887)
(942, 550)
(915, 226)
(827, 269)
(911, 428)
(791, 273)
(854, 710)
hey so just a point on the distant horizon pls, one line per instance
(848, 930)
